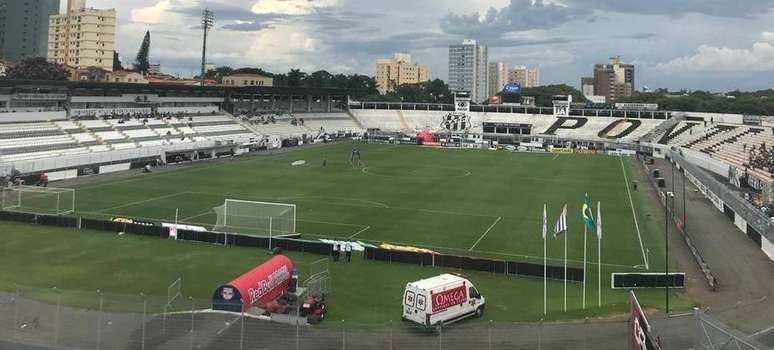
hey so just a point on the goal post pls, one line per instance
(256, 218)
(38, 200)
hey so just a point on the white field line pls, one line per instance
(531, 257)
(141, 178)
(228, 324)
(634, 215)
(556, 156)
(142, 201)
(761, 332)
(359, 232)
(485, 232)
(195, 216)
(377, 205)
(332, 223)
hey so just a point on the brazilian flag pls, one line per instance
(588, 215)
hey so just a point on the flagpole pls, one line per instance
(545, 269)
(566, 233)
(599, 252)
(599, 268)
(584, 265)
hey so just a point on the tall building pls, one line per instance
(498, 77)
(587, 86)
(526, 77)
(468, 69)
(82, 37)
(613, 80)
(396, 71)
(24, 28)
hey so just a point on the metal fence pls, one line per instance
(54, 318)
(754, 217)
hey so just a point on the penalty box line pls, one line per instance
(142, 201)
(485, 232)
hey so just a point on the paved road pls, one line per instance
(745, 297)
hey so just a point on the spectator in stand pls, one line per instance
(43, 180)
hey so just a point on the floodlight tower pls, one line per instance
(208, 20)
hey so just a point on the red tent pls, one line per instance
(262, 284)
(424, 136)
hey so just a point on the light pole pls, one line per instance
(667, 196)
(208, 21)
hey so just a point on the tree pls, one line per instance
(295, 77)
(142, 63)
(37, 68)
(438, 91)
(320, 78)
(117, 62)
(218, 73)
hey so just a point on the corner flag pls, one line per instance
(561, 223)
(588, 215)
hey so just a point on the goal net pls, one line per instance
(256, 218)
(39, 200)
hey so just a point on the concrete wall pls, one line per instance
(32, 116)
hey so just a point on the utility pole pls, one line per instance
(208, 20)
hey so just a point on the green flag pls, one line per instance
(588, 215)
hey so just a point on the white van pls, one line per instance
(441, 299)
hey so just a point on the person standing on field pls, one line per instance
(336, 251)
(348, 250)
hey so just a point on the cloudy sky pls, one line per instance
(714, 45)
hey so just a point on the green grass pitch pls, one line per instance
(481, 203)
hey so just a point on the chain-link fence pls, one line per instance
(54, 318)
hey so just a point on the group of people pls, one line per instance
(143, 116)
(259, 118)
(338, 247)
(761, 157)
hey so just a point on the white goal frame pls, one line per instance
(13, 198)
(269, 229)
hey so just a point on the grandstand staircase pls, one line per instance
(403, 124)
(730, 140)
(70, 135)
(92, 133)
(125, 136)
(247, 126)
(355, 120)
(709, 135)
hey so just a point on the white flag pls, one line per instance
(561, 223)
(599, 220)
(545, 222)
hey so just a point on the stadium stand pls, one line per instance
(574, 128)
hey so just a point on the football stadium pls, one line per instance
(122, 219)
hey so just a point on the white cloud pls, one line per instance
(290, 7)
(152, 14)
(760, 57)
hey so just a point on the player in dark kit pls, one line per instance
(355, 159)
